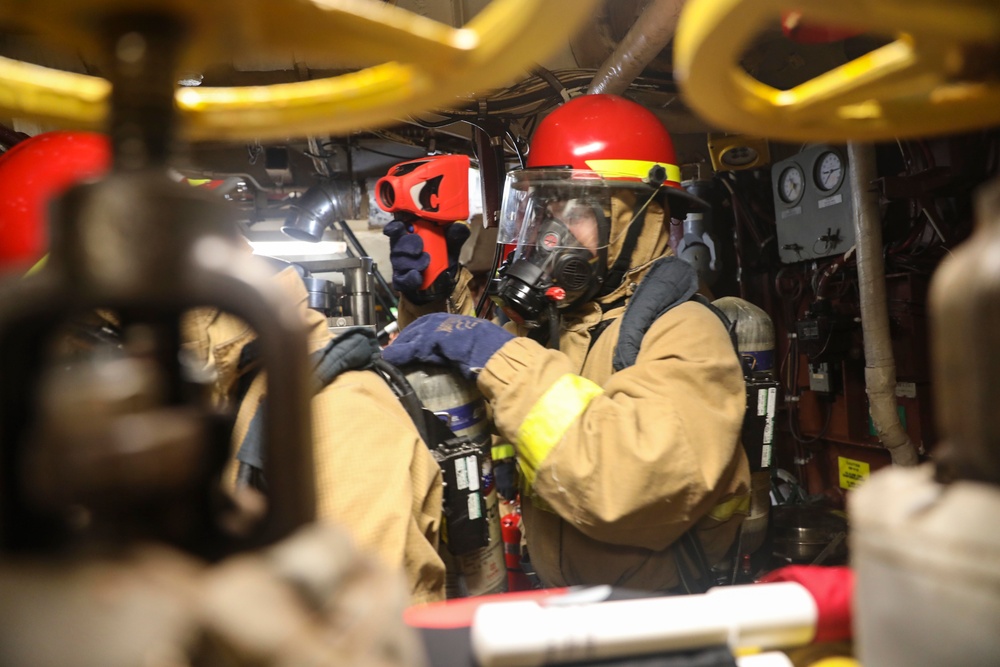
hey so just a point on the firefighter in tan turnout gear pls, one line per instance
(374, 477)
(621, 394)
(383, 488)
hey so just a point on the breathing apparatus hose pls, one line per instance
(481, 309)
(554, 324)
(407, 396)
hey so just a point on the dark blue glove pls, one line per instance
(464, 342)
(407, 256)
(409, 261)
(505, 478)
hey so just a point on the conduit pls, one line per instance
(880, 364)
(647, 37)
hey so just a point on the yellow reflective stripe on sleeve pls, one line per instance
(502, 451)
(735, 505)
(635, 168)
(549, 419)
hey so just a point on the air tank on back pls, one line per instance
(754, 333)
(459, 404)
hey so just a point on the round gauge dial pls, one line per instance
(791, 184)
(829, 171)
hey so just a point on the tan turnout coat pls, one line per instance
(655, 453)
(374, 475)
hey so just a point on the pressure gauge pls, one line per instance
(829, 171)
(790, 184)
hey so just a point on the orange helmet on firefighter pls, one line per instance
(32, 173)
(575, 213)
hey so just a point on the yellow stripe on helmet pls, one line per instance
(549, 419)
(634, 168)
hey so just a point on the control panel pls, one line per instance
(812, 204)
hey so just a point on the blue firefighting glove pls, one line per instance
(407, 256)
(461, 341)
(409, 261)
(505, 478)
(505, 470)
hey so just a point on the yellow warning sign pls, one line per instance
(852, 472)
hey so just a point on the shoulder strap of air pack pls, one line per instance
(670, 282)
(355, 349)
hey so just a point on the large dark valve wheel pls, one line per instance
(413, 63)
(937, 76)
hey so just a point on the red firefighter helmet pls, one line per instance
(612, 136)
(32, 173)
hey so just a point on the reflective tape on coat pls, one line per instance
(724, 511)
(550, 418)
(502, 451)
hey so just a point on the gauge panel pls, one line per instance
(812, 204)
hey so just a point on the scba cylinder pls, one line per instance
(459, 404)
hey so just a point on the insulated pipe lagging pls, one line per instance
(528, 633)
(647, 37)
(880, 364)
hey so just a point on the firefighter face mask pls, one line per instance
(555, 230)
(556, 234)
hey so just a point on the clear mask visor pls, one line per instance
(578, 200)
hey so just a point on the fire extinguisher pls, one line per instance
(510, 526)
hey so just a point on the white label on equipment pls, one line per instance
(787, 213)
(831, 201)
(461, 474)
(765, 456)
(772, 398)
(472, 472)
(906, 389)
(475, 506)
(761, 402)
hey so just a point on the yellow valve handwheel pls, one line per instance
(939, 75)
(411, 63)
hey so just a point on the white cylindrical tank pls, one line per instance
(927, 562)
(457, 401)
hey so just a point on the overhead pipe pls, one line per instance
(880, 364)
(647, 37)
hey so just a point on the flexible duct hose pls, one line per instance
(650, 34)
(880, 364)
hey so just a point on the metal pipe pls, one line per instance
(880, 364)
(362, 304)
(647, 37)
(384, 295)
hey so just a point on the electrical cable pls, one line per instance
(517, 149)
(742, 214)
(378, 152)
(550, 79)
(792, 419)
(484, 297)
